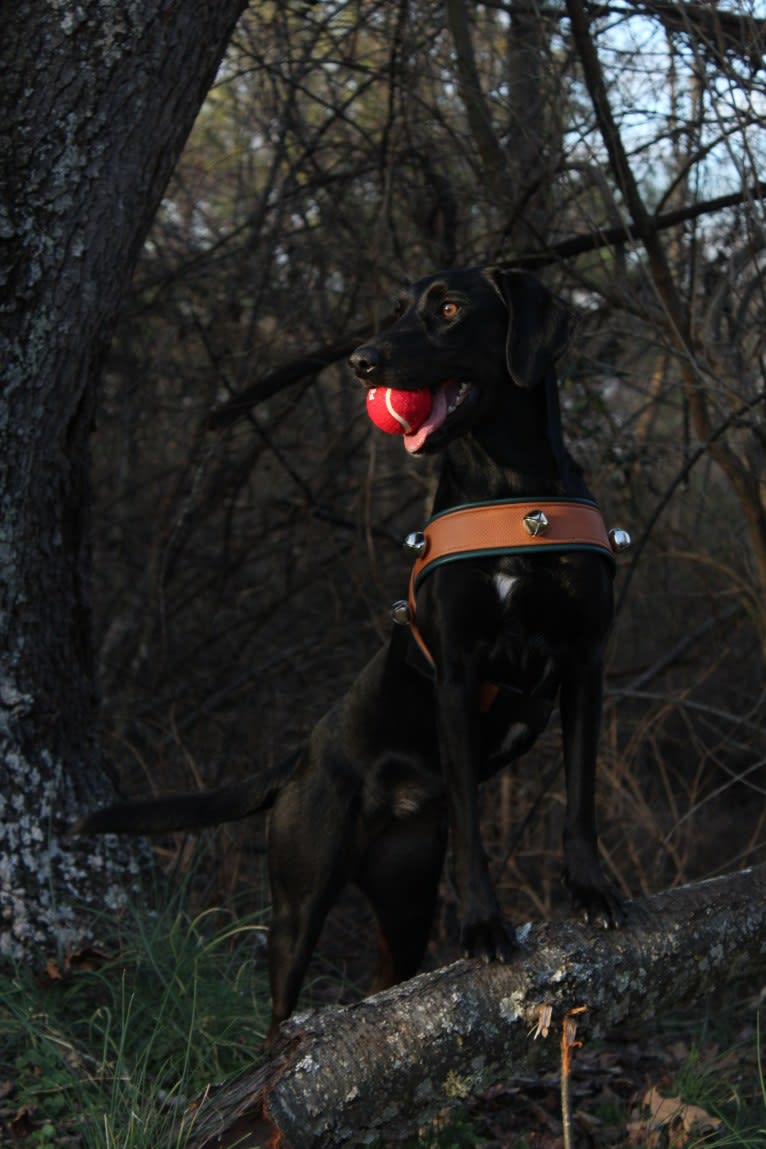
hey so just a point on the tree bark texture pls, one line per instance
(96, 101)
(346, 1076)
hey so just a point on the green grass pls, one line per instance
(729, 1084)
(107, 1052)
(107, 1057)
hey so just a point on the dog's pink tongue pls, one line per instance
(438, 414)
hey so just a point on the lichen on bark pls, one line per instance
(96, 101)
(53, 891)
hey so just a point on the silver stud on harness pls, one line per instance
(535, 523)
(415, 543)
(619, 540)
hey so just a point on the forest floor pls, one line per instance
(650, 1090)
(107, 1049)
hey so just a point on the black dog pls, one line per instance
(400, 757)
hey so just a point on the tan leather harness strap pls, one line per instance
(513, 526)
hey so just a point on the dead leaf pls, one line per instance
(23, 1124)
(83, 960)
(638, 1134)
(87, 959)
(542, 1027)
(52, 970)
(679, 1119)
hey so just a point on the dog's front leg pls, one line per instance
(581, 697)
(484, 932)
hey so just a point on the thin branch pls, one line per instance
(743, 480)
(299, 369)
(679, 479)
(478, 113)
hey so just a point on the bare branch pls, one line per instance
(300, 369)
(479, 117)
(713, 30)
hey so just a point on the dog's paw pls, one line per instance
(597, 901)
(490, 940)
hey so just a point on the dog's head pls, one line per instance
(463, 335)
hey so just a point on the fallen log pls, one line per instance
(379, 1068)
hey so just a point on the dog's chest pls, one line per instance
(504, 585)
(525, 647)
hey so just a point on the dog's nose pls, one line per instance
(366, 361)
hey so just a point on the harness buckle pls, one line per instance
(400, 612)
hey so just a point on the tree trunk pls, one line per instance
(97, 100)
(342, 1076)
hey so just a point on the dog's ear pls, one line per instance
(538, 325)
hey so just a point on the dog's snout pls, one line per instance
(366, 362)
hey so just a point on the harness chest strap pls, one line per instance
(503, 528)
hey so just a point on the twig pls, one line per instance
(676, 483)
(568, 1045)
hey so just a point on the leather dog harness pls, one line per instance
(505, 527)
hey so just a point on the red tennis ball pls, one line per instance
(398, 412)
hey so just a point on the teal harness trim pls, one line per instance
(560, 499)
(552, 548)
(519, 548)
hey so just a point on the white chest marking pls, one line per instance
(504, 585)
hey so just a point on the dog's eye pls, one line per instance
(449, 310)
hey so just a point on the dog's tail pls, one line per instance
(190, 811)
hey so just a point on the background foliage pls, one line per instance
(244, 574)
